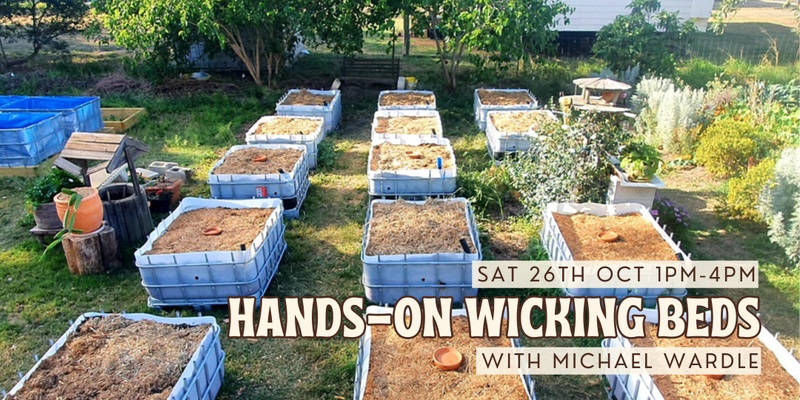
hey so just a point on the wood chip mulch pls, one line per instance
(503, 98)
(283, 125)
(773, 383)
(408, 125)
(407, 228)
(115, 358)
(407, 99)
(638, 238)
(520, 121)
(403, 369)
(185, 233)
(306, 98)
(241, 161)
(391, 157)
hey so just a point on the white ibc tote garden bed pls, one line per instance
(388, 277)
(482, 106)
(558, 249)
(427, 118)
(509, 141)
(427, 100)
(310, 139)
(410, 182)
(204, 278)
(643, 387)
(331, 111)
(248, 185)
(201, 378)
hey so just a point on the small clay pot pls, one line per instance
(213, 231)
(447, 359)
(715, 377)
(608, 236)
(261, 158)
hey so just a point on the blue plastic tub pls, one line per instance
(81, 114)
(11, 99)
(27, 139)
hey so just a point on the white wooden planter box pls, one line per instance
(206, 278)
(203, 375)
(310, 139)
(387, 278)
(623, 191)
(508, 142)
(412, 183)
(248, 186)
(332, 113)
(643, 387)
(482, 110)
(406, 113)
(431, 106)
(557, 249)
(365, 347)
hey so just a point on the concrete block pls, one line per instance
(161, 166)
(179, 173)
(147, 174)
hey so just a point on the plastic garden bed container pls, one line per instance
(482, 110)
(27, 139)
(643, 387)
(10, 99)
(365, 347)
(203, 375)
(206, 278)
(291, 206)
(332, 113)
(248, 186)
(412, 182)
(508, 142)
(622, 191)
(311, 139)
(405, 113)
(387, 278)
(81, 114)
(431, 106)
(557, 249)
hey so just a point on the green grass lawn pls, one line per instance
(194, 127)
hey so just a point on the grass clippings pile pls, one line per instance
(283, 125)
(185, 233)
(520, 121)
(391, 157)
(241, 161)
(503, 98)
(115, 358)
(773, 383)
(408, 125)
(403, 368)
(305, 98)
(638, 238)
(406, 228)
(407, 99)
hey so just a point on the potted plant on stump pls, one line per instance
(634, 179)
(39, 199)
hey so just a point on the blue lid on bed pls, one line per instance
(22, 120)
(48, 103)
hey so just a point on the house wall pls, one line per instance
(591, 15)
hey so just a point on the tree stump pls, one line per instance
(92, 253)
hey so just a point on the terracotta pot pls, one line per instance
(89, 215)
(46, 217)
(447, 359)
(715, 377)
(174, 187)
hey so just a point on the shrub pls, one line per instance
(570, 165)
(42, 189)
(666, 111)
(742, 197)
(672, 217)
(697, 72)
(487, 190)
(779, 204)
(726, 146)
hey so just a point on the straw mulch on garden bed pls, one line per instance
(185, 233)
(306, 98)
(638, 238)
(283, 125)
(773, 383)
(520, 121)
(241, 161)
(408, 125)
(502, 98)
(407, 228)
(403, 368)
(407, 99)
(391, 157)
(115, 358)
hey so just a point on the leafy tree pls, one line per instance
(648, 36)
(720, 16)
(508, 30)
(39, 23)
